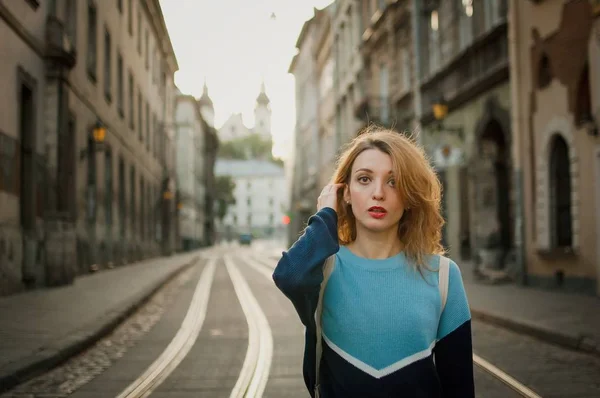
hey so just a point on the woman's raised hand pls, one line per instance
(328, 196)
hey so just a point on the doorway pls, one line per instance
(493, 192)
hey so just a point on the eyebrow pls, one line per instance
(368, 171)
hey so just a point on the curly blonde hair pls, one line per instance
(420, 228)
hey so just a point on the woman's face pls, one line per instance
(372, 192)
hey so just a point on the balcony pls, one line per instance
(471, 72)
(58, 44)
(383, 112)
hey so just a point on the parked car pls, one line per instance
(245, 239)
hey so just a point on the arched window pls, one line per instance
(560, 194)
(583, 105)
(544, 72)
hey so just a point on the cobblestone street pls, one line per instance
(226, 353)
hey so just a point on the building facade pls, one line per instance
(386, 48)
(306, 131)
(464, 93)
(555, 69)
(325, 68)
(261, 198)
(88, 144)
(349, 74)
(191, 184)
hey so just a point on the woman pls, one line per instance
(384, 328)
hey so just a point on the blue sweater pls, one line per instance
(383, 331)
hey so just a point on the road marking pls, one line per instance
(269, 264)
(504, 377)
(257, 364)
(181, 344)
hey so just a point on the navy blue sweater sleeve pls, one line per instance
(454, 351)
(454, 363)
(299, 272)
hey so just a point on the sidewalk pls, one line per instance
(565, 319)
(40, 328)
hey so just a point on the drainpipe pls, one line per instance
(517, 129)
(416, 35)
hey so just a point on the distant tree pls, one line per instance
(225, 187)
(252, 146)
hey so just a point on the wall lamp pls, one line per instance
(440, 111)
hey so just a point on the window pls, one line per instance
(91, 41)
(544, 72)
(66, 167)
(91, 182)
(142, 208)
(249, 201)
(120, 85)
(491, 13)
(155, 135)
(150, 66)
(122, 198)
(148, 126)
(71, 23)
(108, 190)
(132, 209)
(140, 116)
(465, 24)
(139, 32)
(384, 93)
(8, 164)
(583, 107)
(434, 42)
(405, 69)
(146, 52)
(249, 220)
(130, 17)
(107, 66)
(131, 110)
(560, 194)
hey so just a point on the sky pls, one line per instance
(235, 45)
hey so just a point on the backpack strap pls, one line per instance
(327, 270)
(444, 275)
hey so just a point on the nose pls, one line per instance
(379, 191)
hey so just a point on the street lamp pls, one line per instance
(440, 111)
(99, 133)
(96, 144)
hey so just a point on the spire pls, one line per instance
(262, 97)
(205, 99)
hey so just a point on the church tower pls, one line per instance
(262, 114)
(206, 107)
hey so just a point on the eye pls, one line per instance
(363, 179)
(392, 183)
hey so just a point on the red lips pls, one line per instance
(377, 212)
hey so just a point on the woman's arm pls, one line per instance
(299, 272)
(454, 350)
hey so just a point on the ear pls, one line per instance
(347, 193)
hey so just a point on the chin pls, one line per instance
(378, 225)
